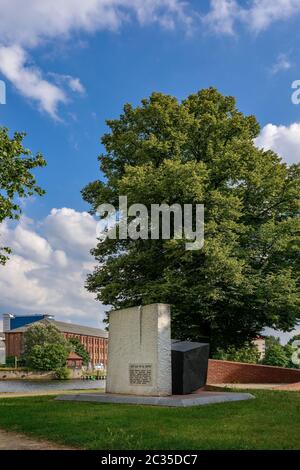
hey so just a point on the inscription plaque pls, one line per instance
(140, 374)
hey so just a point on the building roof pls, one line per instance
(74, 356)
(65, 328)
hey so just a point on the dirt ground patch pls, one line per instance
(290, 387)
(16, 441)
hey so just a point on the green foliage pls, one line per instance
(21, 361)
(11, 361)
(80, 350)
(278, 355)
(62, 373)
(42, 333)
(16, 177)
(201, 150)
(14, 362)
(45, 347)
(293, 349)
(248, 353)
(294, 338)
(47, 356)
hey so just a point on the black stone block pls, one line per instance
(189, 366)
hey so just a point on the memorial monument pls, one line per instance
(189, 366)
(146, 368)
(139, 351)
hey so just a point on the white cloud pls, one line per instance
(282, 63)
(24, 27)
(28, 80)
(73, 83)
(222, 16)
(48, 268)
(39, 21)
(27, 26)
(263, 13)
(70, 230)
(258, 15)
(284, 140)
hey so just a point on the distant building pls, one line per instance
(74, 361)
(11, 322)
(2, 349)
(260, 344)
(93, 339)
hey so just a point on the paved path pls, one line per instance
(16, 441)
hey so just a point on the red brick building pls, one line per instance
(93, 339)
(74, 361)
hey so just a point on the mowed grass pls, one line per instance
(271, 421)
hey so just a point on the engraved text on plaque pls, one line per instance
(140, 374)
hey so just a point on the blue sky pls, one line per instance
(70, 65)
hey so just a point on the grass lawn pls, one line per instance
(271, 421)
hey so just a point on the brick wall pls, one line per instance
(238, 372)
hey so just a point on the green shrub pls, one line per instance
(248, 354)
(293, 349)
(278, 355)
(62, 373)
(10, 361)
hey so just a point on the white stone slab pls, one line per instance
(139, 351)
(194, 399)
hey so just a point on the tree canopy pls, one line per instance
(45, 348)
(201, 150)
(16, 177)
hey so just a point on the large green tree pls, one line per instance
(201, 150)
(45, 348)
(16, 177)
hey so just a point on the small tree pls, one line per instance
(16, 178)
(276, 354)
(80, 350)
(49, 356)
(293, 349)
(45, 347)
